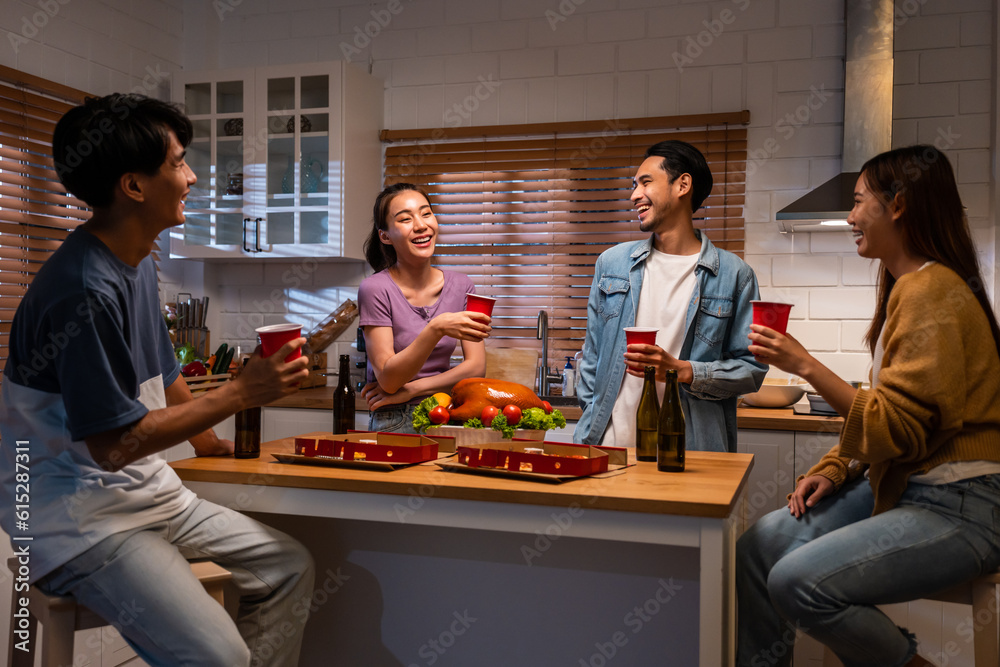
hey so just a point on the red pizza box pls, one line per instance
(368, 446)
(541, 458)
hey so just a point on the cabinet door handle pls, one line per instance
(245, 248)
(257, 233)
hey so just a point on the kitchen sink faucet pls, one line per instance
(544, 375)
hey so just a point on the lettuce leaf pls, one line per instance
(421, 418)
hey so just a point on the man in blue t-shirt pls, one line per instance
(92, 395)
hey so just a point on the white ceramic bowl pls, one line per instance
(772, 395)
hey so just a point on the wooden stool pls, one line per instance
(62, 616)
(981, 594)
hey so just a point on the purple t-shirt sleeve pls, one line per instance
(382, 304)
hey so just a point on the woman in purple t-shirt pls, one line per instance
(412, 313)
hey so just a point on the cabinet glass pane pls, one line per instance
(281, 172)
(202, 129)
(315, 92)
(229, 97)
(229, 178)
(197, 98)
(314, 177)
(199, 159)
(229, 228)
(281, 228)
(281, 94)
(314, 227)
(197, 229)
(229, 127)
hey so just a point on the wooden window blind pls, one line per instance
(525, 210)
(36, 214)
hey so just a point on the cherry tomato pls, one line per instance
(547, 406)
(513, 414)
(438, 415)
(489, 412)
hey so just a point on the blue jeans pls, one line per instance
(141, 582)
(823, 574)
(393, 419)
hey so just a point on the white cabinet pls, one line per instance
(772, 476)
(288, 161)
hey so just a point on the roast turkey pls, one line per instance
(471, 395)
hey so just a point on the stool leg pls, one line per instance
(57, 637)
(984, 623)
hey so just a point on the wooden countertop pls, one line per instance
(709, 487)
(771, 419)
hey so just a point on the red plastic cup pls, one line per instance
(640, 336)
(274, 336)
(773, 314)
(480, 304)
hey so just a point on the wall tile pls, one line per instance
(976, 198)
(470, 67)
(600, 97)
(462, 11)
(443, 40)
(760, 94)
(809, 12)
(696, 91)
(587, 59)
(905, 68)
(970, 131)
(805, 271)
(513, 102)
(678, 20)
(799, 298)
(955, 6)
(852, 336)
(388, 44)
(963, 64)
(291, 51)
(785, 44)
(645, 54)
(430, 106)
(860, 270)
(726, 49)
(617, 26)
(850, 366)
(828, 40)
(630, 95)
(663, 89)
(505, 36)
(805, 75)
(418, 71)
(541, 101)
(571, 98)
(839, 241)
(781, 174)
(922, 100)
(973, 166)
(927, 32)
(527, 63)
(976, 30)
(974, 97)
(727, 89)
(764, 239)
(265, 300)
(761, 265)
(841, 303)
(555, 31)
(816, 336)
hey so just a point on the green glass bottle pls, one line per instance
(670, 434)
(646, 418)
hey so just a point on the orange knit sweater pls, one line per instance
(937, 394)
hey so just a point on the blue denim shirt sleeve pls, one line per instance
(587, 371)
(737, 372)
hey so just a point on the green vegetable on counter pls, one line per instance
(536, 418)
(421, 414)
(500, 424)
(185, 354)
(475, 422)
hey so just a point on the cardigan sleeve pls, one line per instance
(919, 401)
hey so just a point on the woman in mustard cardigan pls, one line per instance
(908, 502)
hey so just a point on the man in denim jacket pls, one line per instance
(650, 283)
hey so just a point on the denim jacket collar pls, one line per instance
(708, 256)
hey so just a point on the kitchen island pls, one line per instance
(421, 566)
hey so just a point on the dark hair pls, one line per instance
(932, 222)
(680, 157)
(105, 137)
(382, 255)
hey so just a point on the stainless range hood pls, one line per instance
(867, 118)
